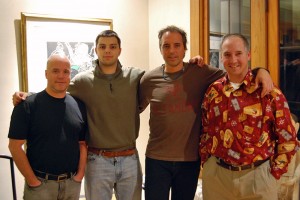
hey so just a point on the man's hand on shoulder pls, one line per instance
(197, 60)
(264, 79)
(18, 97)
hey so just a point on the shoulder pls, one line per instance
(73, 99)
(277, 94)
(75, 103)
(204, 69)
(217, 85)
(133, 71)
(29, 103)
(154, 72)
(83, 75)
(35, 96)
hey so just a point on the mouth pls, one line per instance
(107, 57)
(234, 66)
(172, 58)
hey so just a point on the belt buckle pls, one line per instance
(62, 177)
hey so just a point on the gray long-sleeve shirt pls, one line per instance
(112, 106)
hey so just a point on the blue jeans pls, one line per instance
(122, 174)
(180, 177)
(52, 190)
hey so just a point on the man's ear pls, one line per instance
(297, 126)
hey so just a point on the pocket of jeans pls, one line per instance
(134, 156)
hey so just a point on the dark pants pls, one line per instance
(180, 177)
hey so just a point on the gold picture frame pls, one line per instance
(42, 35)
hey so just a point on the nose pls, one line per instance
(62, 75)
(172, 49)
(107, 50)
(233, 58)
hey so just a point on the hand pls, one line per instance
(34, 183)
(263, 77)
(77, 178)
(18, 97)
(296, 62)
(197, 60)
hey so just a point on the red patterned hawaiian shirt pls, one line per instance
(240, 127)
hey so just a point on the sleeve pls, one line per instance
(214, 74)
(255, 70)
(204, 132)
(20, 121)
(142, 94)
(285, 134)
(84, 131)
(72, 87)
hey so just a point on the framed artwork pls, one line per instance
(43, 35)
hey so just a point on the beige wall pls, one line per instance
(161, 14)
(136, 21)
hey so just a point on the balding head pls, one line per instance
(58, 58)
(58, 74)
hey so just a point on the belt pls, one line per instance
(53, 177)
(127, 152)
(225, 165)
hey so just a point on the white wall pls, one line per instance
(136, 21)
(162, 14)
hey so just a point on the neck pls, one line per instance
(173, 69)
(108, 69)
(58, 95)
(239, 78)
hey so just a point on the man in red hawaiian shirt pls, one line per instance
(247, 140)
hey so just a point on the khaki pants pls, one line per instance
(222, 184)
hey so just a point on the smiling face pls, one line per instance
(58, 75)
(235, 57)
(172, 50)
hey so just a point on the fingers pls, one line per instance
(17, 98)
(201, 61)
(267, 88)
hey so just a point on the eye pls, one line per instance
(101, 46)
(113, 46)
(66, 72)
(166, 46)
(226, 55)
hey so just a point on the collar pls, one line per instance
(98, 72)
(248, 84)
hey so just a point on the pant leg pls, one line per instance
(48, 190)
(185, 179)
(99, 178)
(129, 178)
(71, 189)
(158, 179)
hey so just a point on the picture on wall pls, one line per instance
(43, 35)
(81, 54)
